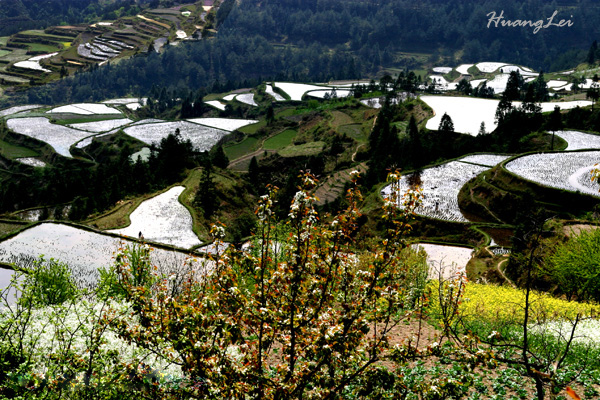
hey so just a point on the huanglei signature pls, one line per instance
(537, 25)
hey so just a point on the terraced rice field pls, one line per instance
(17, 109)
(58, 136)
(102, 126)
(489, 67)
(32, 161)
(579, 140)
(296, 90)
(203, 138)
(84, 109)
(464, 68)
(440, 186)
(34, 63)
(321, 94)
(489, 160)
(507, 69)
(247, 98)
(216, 104)
(125, 100)
(240, 149)
(163, 219)
(567, 170)
(442, 70)
(467, 113)
(226, 124)
(280, 140)
(306, 149)
(476, 82)
(499, 83)
(269, 90)
(13, 79)
(13, 151)
(83, 250)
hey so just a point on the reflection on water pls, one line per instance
(85, 251)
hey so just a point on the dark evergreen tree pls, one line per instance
(218, 158)
(593, 93)
(206, 196)
(253, 171)
(270, 114)
(529, 105)
(554, 123)
(513, 86)
(591, 57)
(446, 124)
(540, 88)
(464, 87)
(415, 147)
(504, 108)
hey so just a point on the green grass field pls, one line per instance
(4, 40)
(306, 149)
(280, 140)
(355, 131)
(241, 148)
(12, 151)
(251, 129)
(45, 35)
(10, 78)
(4, 52)
(42, 47)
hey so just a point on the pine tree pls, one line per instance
(514, 85)
(591, 58)
(503, 109)
(206, 196)
(253, 171)
(446, 124)
(219, 159)
(482, 131)
(415, 145)
(554, 123)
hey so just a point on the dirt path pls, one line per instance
(501, 272)
(356, 151)
(248, 156)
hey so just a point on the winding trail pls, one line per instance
(503, 275)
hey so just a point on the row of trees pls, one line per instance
(112, 178)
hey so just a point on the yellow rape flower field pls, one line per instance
(502, 303)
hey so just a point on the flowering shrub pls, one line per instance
(305, 323)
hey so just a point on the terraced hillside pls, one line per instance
(36, 57)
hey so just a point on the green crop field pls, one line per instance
(280, 140)
(45, 35)
(42, 47)
(4, 52)
(10, 78)
(251, 129)
(241, 148)
(4, 40)
(12, 151)
(307, 149)
(355, 131)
